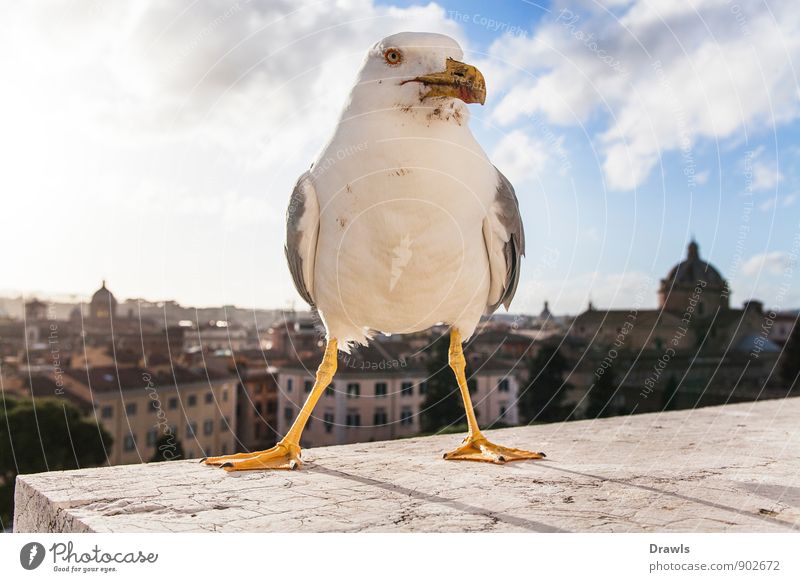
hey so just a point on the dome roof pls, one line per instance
(693, 269)
(103, 294)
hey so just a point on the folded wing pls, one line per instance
(504, 237)
(302, 231)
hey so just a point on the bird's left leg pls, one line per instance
(286, 454)
(477, 447)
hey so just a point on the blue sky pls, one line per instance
(156, 146)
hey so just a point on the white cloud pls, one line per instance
(146, 123)
(765, 176)
(778, 202)
(660, 75)
(521, 157)
(774, 263)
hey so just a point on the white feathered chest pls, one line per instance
(401, 244)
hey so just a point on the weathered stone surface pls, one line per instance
(727, 468)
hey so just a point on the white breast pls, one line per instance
(401, 243)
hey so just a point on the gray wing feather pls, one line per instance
(299, 205)
(507, 207)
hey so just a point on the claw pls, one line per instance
(478, 448)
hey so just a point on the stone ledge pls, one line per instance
(725, 468)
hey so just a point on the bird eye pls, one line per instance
(393, 56)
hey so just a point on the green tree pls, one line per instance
(53, 436)
(168, 448)
(669, 399)
(790, 360)
(601, 395)
(443, 404)
(543, 398)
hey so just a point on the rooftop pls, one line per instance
(726, 468)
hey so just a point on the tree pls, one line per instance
(168, 448)
(670, 398)
(790, 360)
(443, 405)
(601, 395)
(53, 436)
(543, 399)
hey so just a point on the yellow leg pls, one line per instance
(286, 454)
(476, 447)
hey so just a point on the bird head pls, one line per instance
(415, 69)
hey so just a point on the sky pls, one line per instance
(155, 143)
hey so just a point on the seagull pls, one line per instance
(401, 223)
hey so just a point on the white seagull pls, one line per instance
(401, 223)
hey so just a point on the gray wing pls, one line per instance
(302, 231)
(505, 244)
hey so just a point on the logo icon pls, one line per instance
(31, 555)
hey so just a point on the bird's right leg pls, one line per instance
(286, 454)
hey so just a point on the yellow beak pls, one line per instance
(458, 80)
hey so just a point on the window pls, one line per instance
(288, 413)
(407, 389)
(223, 423)
(328, 421)
(130, 408)
(503, 385)
(380, 389)
(406, 417)
(225, 395)
(191, 429)
(353, 418)
(307, 386)
(259, 408)
(423, 388)
(380, 418)
(209, 397)
(154, 405)
(288, 384)
(107, 412)
(129, 443)
(192, 400)
(502, 409)
(172, 403)
(272, 407)
(152, 437)
(208, 427)
(353, 390)
(472, 384)
(329, 391)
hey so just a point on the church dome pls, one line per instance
(694, 269)
(103, 303)
(681, 285)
